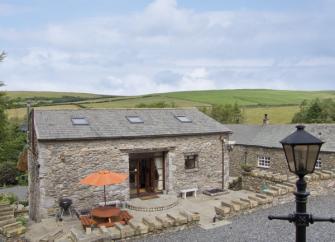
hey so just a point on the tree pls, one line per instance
(225, 113)
(3, 119)
(316, 111)
(12, 141)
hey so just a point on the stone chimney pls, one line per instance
(266, 119)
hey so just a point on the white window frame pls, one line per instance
(318, 164)
(263, 161)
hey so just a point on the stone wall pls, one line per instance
(317, 184)
(255, 183)
(249, 154)
(62, 164)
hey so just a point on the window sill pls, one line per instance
(191, 170)
(265, 167)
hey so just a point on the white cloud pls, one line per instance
(167, 48)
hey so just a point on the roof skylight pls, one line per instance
(183, 119)
(79, 121)
(134, 119)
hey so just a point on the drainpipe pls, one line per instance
(222, 152)
(28, 121)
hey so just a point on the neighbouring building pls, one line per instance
(259, 146)
(162, 150)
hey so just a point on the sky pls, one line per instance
(147, 46)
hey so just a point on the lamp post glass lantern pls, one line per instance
(302, 151)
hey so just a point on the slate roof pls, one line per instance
(112, 123)
(270, 135)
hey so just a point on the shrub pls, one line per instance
(22, 180)
(246, 167)
(8, 197)
(8, 173)
(23, 220)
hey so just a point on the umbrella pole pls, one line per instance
(105, 194)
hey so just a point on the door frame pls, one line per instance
(137, 158)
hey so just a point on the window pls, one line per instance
(183, 119)
(318, 164)
(79, 121)
(191, 161)
(264, 161)
(134, 119)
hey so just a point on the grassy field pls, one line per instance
(248, 97)
(277, 115)
(132, 102)
(280, 105)
(20, 113)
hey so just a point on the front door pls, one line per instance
(144, 177)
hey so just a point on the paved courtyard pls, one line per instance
(256, 226)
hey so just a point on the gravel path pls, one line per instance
(20, 191)
(256, 226)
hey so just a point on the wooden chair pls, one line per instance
(125, 217)
(87, 222)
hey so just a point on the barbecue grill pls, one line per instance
(65, 206)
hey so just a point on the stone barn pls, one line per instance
(259, 146)
(162, 151)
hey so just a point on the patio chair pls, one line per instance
(87, 221)
(125, 217)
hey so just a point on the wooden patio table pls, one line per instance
(106, 212)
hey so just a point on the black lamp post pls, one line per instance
(301, 151)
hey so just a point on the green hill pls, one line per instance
(36, 94)
(279, 104)
(251, 97)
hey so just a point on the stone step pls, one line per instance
(271, 192)
(15, 231)
(125, 230)
(114, 233)
(252, 203)
(222, 211)
(233, 206)
(6, 208)
(4, 204)
(269, 199)
(153, 224)
(52, 236)
(280, 190)
(293, 178)
(259, 200)
(331, 173)
(177, 218)
(8, 212)
(6, 217)
(315, 177)
(8, 221)
(243, 205)
(166, 223)
(191, 217)
(10, 226)
(139, 228)
(322, 175)
(289, 189)
(289, 184)
(78, 235)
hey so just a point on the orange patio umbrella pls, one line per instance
(103, 178)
